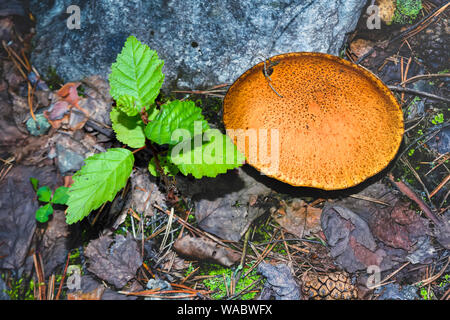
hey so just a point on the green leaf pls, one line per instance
(169, 168)
(44, 194)
(127, 104)
(136, 73)
(44, 212)
(208, 159)
(98, 181)
(35, 183)
(60, 196)
(129, 130)
(176, 115)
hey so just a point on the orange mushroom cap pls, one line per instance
(337, 123)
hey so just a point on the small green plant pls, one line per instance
(221, 280)
(425, 295)
(193, 147)
(445, 281)
(17, 290)
(46, 196)
(406, 11)
(438, 119)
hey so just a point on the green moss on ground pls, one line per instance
(407, 11)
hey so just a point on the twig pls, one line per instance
(244, 253)
(428, 136)
(445, 156)
(416, 175)
(383, 282)
(418, 92)
(137, 150)
(433, 278)
(365, 198)
(190, 227)
(244, 290)
(40, 276)
(425, 76)
(446, 295)
(189, 275)
(411, 195)
(169, 227)
(51, 287)
(440, 186)
(63, 277)
(169, 185)
(269, 80)
(261, 258)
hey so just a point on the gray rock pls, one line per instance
(202, 42)
(393, 291)
(38, 127)
(68, 160)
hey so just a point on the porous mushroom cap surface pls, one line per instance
(337, 123)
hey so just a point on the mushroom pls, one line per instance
(337, 123)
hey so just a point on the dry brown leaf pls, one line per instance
(114, 260)
(398, 227)
(68, 93)
(299, 218)
(204, 249)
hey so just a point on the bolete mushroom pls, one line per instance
(337, 123)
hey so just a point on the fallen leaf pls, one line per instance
(442, 232)
(349, 238)
(57, 110)
(69, 93)
(18, 205)
(398, 227)
(205, 249)
(280, 282)
(54, 243)
(114, 260)
(299, 218)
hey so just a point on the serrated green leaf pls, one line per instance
(98, 181)
(176, 115)
(44, 212)
(127, 104)
(136, 73)
(169, 168)
(60, 196)
(129, 130)
(44, 194)
(153, 113)
(208, 159)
